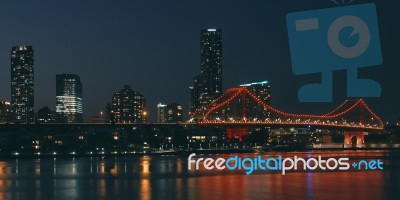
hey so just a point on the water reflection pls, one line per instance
(145, 189)
(167, 177)
(145, 165)
(37, 167)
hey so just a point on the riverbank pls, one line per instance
(188, 152)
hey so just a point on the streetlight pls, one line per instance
(144, 115)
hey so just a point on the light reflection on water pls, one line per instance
(167, 177)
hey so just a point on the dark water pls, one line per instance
(167, 177)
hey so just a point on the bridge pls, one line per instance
(238, 109)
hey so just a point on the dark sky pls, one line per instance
(154, 46)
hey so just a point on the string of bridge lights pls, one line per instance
(284, 114)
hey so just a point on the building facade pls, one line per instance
(161, 113)
(128, 106)
(172, 113)
(22, 84)
(6, 114)
(211, 58)
(207, 86)
(69, 98)
(262, 90)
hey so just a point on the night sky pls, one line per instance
(154, 46)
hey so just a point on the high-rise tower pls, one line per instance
(211, 58)
(69, 98)
(22, 84)
(208, 85)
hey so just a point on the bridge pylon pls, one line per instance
(353, 139)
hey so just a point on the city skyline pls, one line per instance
(206, 99)
(109, 54)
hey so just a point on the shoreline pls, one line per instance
(181, 152)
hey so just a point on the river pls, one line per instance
(168, 177)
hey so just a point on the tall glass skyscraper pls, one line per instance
(211, 58)
(208, 85)
(22, 84)
(69, 98)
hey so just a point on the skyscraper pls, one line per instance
(22, 84)
(211, 58)
(208, 85)
(69, 98)
(128, 106)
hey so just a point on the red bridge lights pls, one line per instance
(237, 105)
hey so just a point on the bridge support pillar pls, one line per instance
(236, 133)
(353, 139)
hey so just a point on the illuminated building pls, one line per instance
(45, 115)
(161, 113)
(128, 106)
(22, 84)
(208, 85)
(262, 90)
(211, 57)
(5, 112)
(69, 98)
(171, 113)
